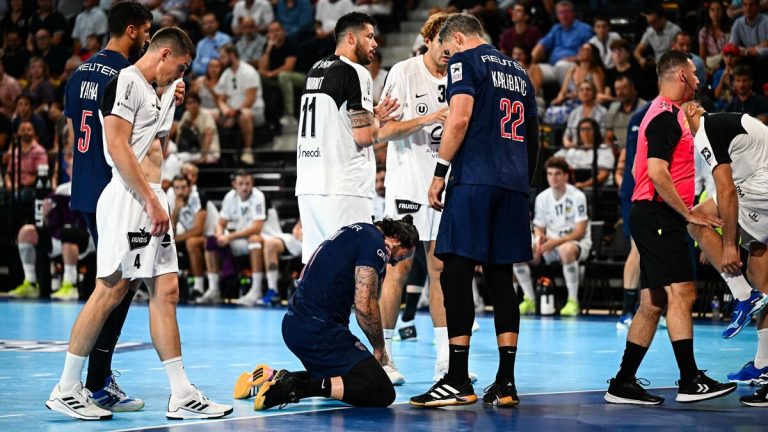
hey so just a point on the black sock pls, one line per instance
(313, 388)
(506, 372)
(633, 356)
(458, 364)
(100, 358)
(630, 298)
(411, 300)
(686, 362)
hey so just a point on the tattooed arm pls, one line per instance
(367, 310)
(366, 124)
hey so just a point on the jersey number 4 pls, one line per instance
(508, 108)
(84, 142)
(308, 107)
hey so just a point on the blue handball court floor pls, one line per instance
(562, 368)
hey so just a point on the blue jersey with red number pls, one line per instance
(83, 94)
(494, 151)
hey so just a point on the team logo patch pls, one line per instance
(360, 346)
(166, 241)
(707, 155)
(138, 240)
(754, 216)
(422, 109)
(406, 207)
(456, 72)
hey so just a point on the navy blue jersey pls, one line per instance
(633, 128)
(82, 101)
(494, 151)
(326, 288)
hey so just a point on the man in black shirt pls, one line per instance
(745, 100)
(51, 20)
(277, 67)
(55, 56)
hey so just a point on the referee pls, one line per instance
(661, 209)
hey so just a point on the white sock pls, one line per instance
(441, 344)
(73, 371)
(388, 333)
(256, 279)
(199, 284)
(761, 358)
(571, 276)
(738, 285)
(180, 385)
(523, 275)
(70, 273)
(272, 276)
(213, 282)
(28, 258)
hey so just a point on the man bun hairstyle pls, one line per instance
(402, 230)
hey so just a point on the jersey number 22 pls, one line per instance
(508, 108)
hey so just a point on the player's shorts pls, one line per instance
(425, 219)
(124, 240)
(584, 245)
(488, 224)
(662, 239)
(753, 208)
(323, 215)
(239, 247)
(292, 244)
(326, 349)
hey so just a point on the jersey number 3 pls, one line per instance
(84, 142)
(508, 108)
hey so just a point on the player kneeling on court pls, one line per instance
(344, 271)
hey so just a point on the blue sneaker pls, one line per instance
(113, 398)
(271, 297)
(748, 374)
(743, 312)
(624, 321)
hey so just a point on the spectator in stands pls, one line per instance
(581, 157)
(327, 13)
(589, 68)
(561, 234)
(51, 20)
(92, 46)
(5, 132)
(745, 100)
(16, 19)
(277, 67)
(562, 42)
(658, 37)
(621, 111)
(238, 233)
(91, 21)
(10, 89)
(205, 87)
(603, 39)
(23, 113)
(750, 31)
(32, 155)
(734, 9)
(208, 47)
(15, 56)
(275, 246)
(251, 43)
(623, 65)
(682, 42)
(176, 8)
(240, 98)
(198, 135)
(38, 87)
(589, 108)
(297, 18)
(522, 55)
(193, 23)
(169, 20)
(379, 76)
(171, 165)
(714, 35)
(722, 79)
(69, 8)
(188, 214)
(259, 10)
(54, 56)
(61, 142)
(522, 33)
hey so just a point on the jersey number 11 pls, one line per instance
(308, 107)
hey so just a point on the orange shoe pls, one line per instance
(247, 384)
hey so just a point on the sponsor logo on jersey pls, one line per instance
(422, 109)
(421, 95)
(739, 191)
(382, 255)
(166, 241)
(406, 207)
(128, 90)
(456, 72)
(315, 153)
(435, 136)
(754, 216)
(138, 240)
(707, 155)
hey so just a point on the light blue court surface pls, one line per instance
(562, 368)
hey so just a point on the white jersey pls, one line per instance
(411, 161)
(738, 139)
(560, 216)
(242, 214)
(234, 84)
(329, 162)
(188, 213)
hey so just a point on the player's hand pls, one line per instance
(222, 240)
(160, 222)
(546, 247)
(179, 92)
(704, 220)
(438, 116)
(435, 193)
(731, 260)
(381, 356)
(385, 108)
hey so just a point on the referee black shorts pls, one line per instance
(662, 240)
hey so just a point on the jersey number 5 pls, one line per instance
(508, 108)
(84, 142)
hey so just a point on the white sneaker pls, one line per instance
(195, 406)
(247, 158)
(394, 375)
(76, 403)
(441, 368)
(247, 301)
(212, 296)
(289, 123)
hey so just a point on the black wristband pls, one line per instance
(441, 169)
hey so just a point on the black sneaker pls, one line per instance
(445, 394)
(702, 388)
(759, 399)
(501, 395)
(630, 393)
(280, 390)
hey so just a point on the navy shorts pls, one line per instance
(487, 224)
(326, 349)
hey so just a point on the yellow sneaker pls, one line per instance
(571, 308)
(67, 292)
(247, 384)
(26, 290)
(528, 306)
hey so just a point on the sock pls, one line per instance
(411, 300)
(73, 370)
(313, 388)
(571, 276)
(199, 284)
(70, 273)
(685, 359)
(738, 285)
(180, 385)
(761, 357)
(523, 275)
(213, 282)
(506, 372)
(441, 344)
(630, 362)
(256, 279)
(388, 333)
(28, 258)
(272, 276)
(458, 364)
(630, 298)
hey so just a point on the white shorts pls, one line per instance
(56, 248)
(323, 215)
(753, 208)
(584, 245)
(124, 241)
(425, 218)
(291, 243)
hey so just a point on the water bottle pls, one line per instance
(716, 309)
(42, 189)
(546, 296)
